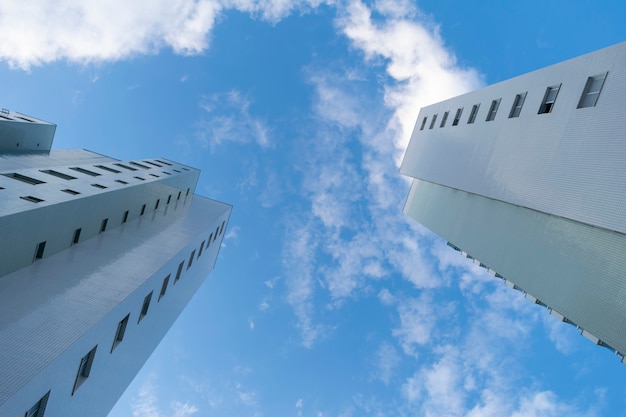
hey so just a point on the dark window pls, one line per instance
(76, 236)
(493, 109)
(119, 333)
(518, 103)
(423, 123)
(139, 178)
(24, 118)
(187, 192)
(156, 205)
(152, 163)
(193, 255)
(137, 164)
(121, 181)
(102, 187)
(163, 162)
(548, 99)
(444, 119)
(85, 171)
(457, 116)
(175, 170)
(154, 175)
(217, 230)
(125, 167)
(57, 174)
(166, 173)
(166, 280)
(178, 198)
(39, 249)
(222, 228)
(125, 217)
(186, 169)
(103, 225)
(143, 210)
(31, 199)
(180, 270)
(473, 113)
(24, 178)
(145, 306)
(592, 90)
(39, 408)
(200, 250)
(432, 122)
(73, 192)
(84, 368)
(106, 168)
(169, 198)
(208, 242)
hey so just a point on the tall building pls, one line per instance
(528, 178)
(98, 257)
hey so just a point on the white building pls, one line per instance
(528, 178)
(98, 257)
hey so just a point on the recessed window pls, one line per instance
(222, 228)
(166, 173)
(143, 210)
(444, 119)
(518, 103)
(76, 236)
(423, 123)
(125, 167)
(457, 116)
(57, 174)
(106, 168)
(145, 306)
(24, 178)
(186, 169)
(432, 122)
(180, 270)
(73, 192)
(166, 280)
(31, 199)
(548, 99)
(163, 162)
(193, 255)
(84, 368)
(39, 408)
(119, 333)
(156, 205)
(25, 119)
(121, 181)
(39, 249)
(493, 109)
(137, 164)
(217, 230)
(187, 192)
(102, 187)
(200, 250)
(154, 175)
(152, 163)
(592, 90)
(473, 113)
(85, 171)
(125, 217)
(141, 179)
(208, 242)
(103, 225)
(175, 170)
(169, 198)
(178, 198)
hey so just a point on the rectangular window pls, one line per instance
(154, 175)
(473, 113)
(432, 122)
(39, 408)
(444, 119)
(103, 225)
(39, 249)
(591, 92)
(125, 217)
(178, 198)
(187, 192)
(137, 164)
(222, 228)
(119, 333)
(73, 192)
(139, 178)
(163, 162)
(548, 99)
(493, 109)
(166, 280)
(106, 168)
(143, 210)
(156, 205)
(169, 198)
(85, 171)
(217, 230)
(31, 199)
(208, 242)
(180, 270)
(125, 167)
(57, 174)
(24, 118)
(200, 250)
(24, 178)
(102, 187)
(193, 255)
(175, 170)
(145, 306)
(121, 181)
(166, 173)
(518, 103)
(76, 236)
(457, 116)
(152, 163)
(84, 368)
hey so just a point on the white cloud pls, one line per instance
(183, 409)
(387, 360)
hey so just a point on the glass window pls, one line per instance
(591, 92)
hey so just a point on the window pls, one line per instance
(115, 171)
(57, 174)
(516, 109)
(432, 122)
(84, 368)
(187, 192)
(178, 198)
(76, 236)
(125, 167)
(548, 99)
(175, 170)
(137, 164)
(145, 306)
(217, 230)
(166, 173)
(103, 225)
(85, 171)
(166, 280)
(24, 178)
(493, 109)
(457, 116)
(444, 119)
(67, 190)
(180, 270)
(591, 91)
(152, 163)
(41, 246)
(154, 175)
(222, 228)
(31, 199)
(121, 181)
(39, 408)
(24, 118)
(193, 255)
(143, 210)
(156, 205)
(139, 178)
(163, 162)
(200, 250)
(102, 187)
(119, 333)
(125, 217)
(208, 242)
(186, 169)
(169, 198)
(473, 113)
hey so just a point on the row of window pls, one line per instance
(84, 366)
(41, 246)
(588, 98)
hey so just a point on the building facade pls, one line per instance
(527, 177)
(98, 257)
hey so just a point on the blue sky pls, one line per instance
(326, 301)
